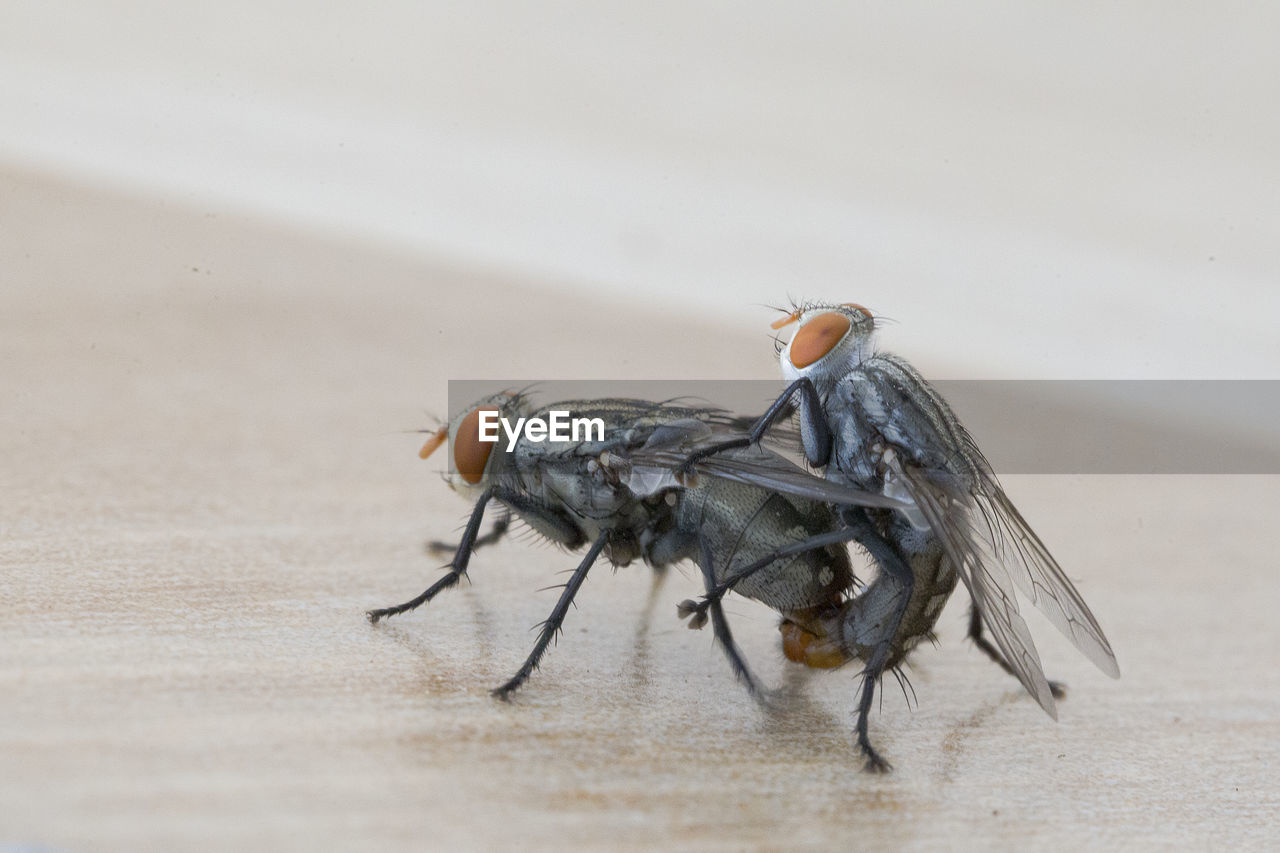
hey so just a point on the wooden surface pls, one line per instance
(207, 477)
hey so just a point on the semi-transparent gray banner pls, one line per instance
(1023, 426)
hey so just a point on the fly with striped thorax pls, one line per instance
(871, 422)
(620, 496)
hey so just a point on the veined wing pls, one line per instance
(986, 536)
(950, 516)
(654, 466)
(1013, 543)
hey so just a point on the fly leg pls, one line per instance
(552, 625)
(813, 427)
(551, 524)
(721, 627)
(716, 591)
(438, 547)
(457, 566)
(1057, 688)
(897, 576)
(875, 762)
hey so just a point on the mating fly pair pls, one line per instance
(619, 495)
(903, 479)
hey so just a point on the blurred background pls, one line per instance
(1055, 191)
(245, 245)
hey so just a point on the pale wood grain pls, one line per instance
(205, 483)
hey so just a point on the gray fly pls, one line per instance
(873, 423)
(619, 495)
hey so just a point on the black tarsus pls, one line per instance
(553, 622)
(457, 566)
(570, 536)
(721, 628)
(875, 762)
(1057, 688)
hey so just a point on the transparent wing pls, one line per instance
(989, 540)
(949, 514)
(654, 466)
(1038, 576)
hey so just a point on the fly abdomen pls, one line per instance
(859, 627)
(742, 524)
(935, 580)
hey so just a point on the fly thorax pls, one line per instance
(851, 459)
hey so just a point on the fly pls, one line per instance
(620, 497)
(873, 423)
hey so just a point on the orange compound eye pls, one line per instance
(818, 337)
(470, 454)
